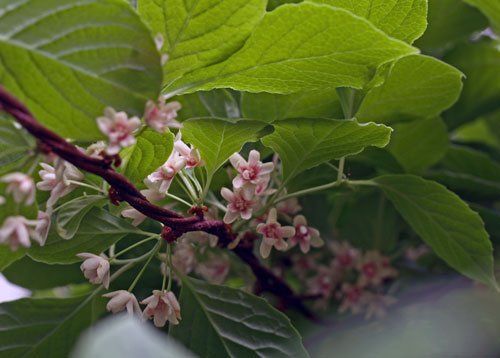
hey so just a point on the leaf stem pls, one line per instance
(139, 243)
(152, 253)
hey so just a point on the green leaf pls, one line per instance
(481, 64)
(491, 8)
(126, 337)
(269, 107)
(68, 60)
(151, 150)
(273, 4)
(200, 33)
(11, 208)
(7, 256)
(491, 220)
(44, 327)
(34, 275)
(217, 103)
(444, 222)
(218, 139)
(417, 86)
(402, 19)
(98, 231)
(13, 144)
(225, 322)
(305, 143)
(71, 214)
(419, 144)
(485, 130)
(298, 48)
(460, 21)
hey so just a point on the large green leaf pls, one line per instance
(444, 222)
(417, 86)
(45, 327)
(126, 337)
(218, 139)
(270, 107)
(71, 214)
(151, 150)
(491, 8)
(216, 103)
(13, 144)
(401, 19)
(460, 21)
(484, 130)
(419, 144)
(220, 321)
(481, 64)
(98, 231)
(7, 256)
(34, 275)
(67, 60)
(199, 33)
(301, 47)
(305, 143)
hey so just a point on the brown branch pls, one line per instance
(175, 223)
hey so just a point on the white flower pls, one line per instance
(42, 227)
(253, 172)
(121, 300)
(58, 179)
(161, 178)
(192, 155)
(241, 203)
(16, 231)
(161, 116)
(274, 234)
(162, 306)
(119, 129)
(95, 268)
(21, 186)
(305, 236)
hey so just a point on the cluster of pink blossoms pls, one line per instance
(356, 280)
(250, 187)
(161, 306)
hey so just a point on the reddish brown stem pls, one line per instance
(175, 223)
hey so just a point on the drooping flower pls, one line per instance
(162, 306)
(21, 186)
(345, 255)
(161, 115)
(274, 234)
(16, 231)
(376, 305)
(192, 155)
(353, 298)
(252, 172)
(121, 300)
(374, 268)
(241, 203)
(58, 180)
(162, 177)
(118, 128)
(214, 269)
(42, 227)
(95, 268)
(305, 236)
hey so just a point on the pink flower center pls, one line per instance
(272, 230)
(241, 204)
(345, 260)
(369, 269)
(302, 233)
(250, 172)
(353, 294)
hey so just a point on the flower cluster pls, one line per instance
(354, 279)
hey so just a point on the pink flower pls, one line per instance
(137, 217)
(119, 129)
(162, 306)
(345, 255)
(289, 207)
(121, 300)
(241, 203)
(192, 155)
(274, 234)
(16, 231)
(161, 178)
(58, 179)
(377, 304)
(161, 116)
(214, 269)
(95, 268)
(21, 186)
(253, 172)
(305, 236)
(42, 227)
(354, 298)
(374, 269)
(323, 283)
